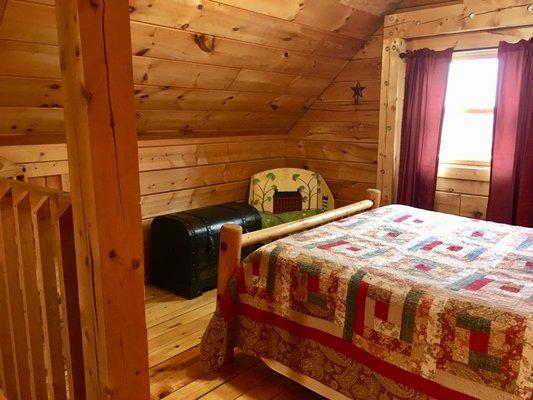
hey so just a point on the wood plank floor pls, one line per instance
(175, 327)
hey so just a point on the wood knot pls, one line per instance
(274, 105)
(202, 42)
(113, 254)
(142, 52)
(132, 9)
(85, 94)
(55, 86)
(135, 264)
(223, 246)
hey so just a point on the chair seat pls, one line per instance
(269, 219)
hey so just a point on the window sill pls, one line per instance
(479, 173)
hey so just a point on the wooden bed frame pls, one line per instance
(232, 240)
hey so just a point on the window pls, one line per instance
(469, 108)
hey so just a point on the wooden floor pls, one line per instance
(175, 327)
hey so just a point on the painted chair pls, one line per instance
(288, 194)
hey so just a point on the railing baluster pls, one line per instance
(41, 349)
(15, 318)
(68, 280)
(50, 300)
(7, 351)
(33, 316)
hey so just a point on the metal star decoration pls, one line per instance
(357, 92)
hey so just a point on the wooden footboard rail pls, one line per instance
(40, 336)
(232, 240)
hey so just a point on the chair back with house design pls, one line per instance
(287, 194)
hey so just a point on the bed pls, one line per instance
(394, 302)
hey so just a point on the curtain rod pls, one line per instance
(403, 54)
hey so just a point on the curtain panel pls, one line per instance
(425, 91)
(511, 182)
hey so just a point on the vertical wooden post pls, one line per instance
(228, 260)
(229, 255)
(375, 196)
(95, 51)
(390, 117)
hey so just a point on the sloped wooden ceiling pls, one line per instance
(200, 66)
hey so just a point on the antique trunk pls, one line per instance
(184, 246)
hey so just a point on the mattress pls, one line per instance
(396, 301)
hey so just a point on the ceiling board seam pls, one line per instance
(241, 41)
(292, 21)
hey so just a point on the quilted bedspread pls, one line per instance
(438, 303)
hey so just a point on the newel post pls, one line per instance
(95, 50)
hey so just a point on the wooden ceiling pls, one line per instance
(200, 67)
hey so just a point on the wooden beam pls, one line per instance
(472, 40)
(390, 117)
(95, 51)
(473, 15)
(3, 4)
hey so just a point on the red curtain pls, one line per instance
(425, 91)
(511, 182)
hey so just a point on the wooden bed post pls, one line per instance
(375, 196)
(228, 261)
(96, 67)
(230, 255)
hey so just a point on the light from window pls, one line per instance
(469, 109)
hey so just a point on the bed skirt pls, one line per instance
(304, 356)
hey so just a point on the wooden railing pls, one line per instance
(40, 335)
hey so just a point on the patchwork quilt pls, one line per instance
(439, 304)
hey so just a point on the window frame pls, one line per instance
(476, 54)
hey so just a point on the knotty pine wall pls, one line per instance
(175, 174)
(201, 67)
(339, 138)
(227, 80)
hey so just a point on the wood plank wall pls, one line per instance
(175, 174)
(463, 190)
(228, 79)
(200, 67)
(338, 138)
(228, 73)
